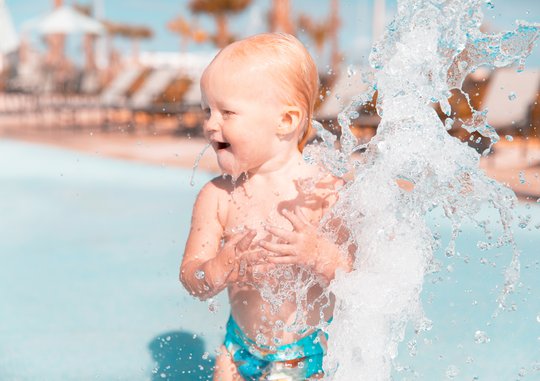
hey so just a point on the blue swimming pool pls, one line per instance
(89, 259)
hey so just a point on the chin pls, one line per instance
(231, 169)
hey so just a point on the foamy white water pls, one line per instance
(427, 50)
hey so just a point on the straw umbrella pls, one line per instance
(135, 33)
(280, 20)
(187, 31)
(183, 28)
(219, 9)
(321, 31)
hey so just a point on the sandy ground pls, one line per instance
(516, 163)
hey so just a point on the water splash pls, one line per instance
(426, 51)
(196, 164)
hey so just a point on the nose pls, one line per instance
(210, 125)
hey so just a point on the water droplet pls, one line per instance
(163, 375)
(213, 305)
(524, 221)
(522, 177)
(199, 274)
(260, 339)
(538, 318)
(481, 337)
(452, 371)
(512, 96)
(509, 138)
(205, 355)
(411, 345)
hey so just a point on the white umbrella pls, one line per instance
(8, 37)
(65, 20)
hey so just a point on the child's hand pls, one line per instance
(231, 252)
(301, 246)
(242, 259)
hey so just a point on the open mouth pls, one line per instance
(221, 145)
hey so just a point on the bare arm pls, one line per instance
(208, 266)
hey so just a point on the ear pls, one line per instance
(291, 119)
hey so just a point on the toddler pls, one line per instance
(255, 231)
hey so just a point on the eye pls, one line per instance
(227, 113)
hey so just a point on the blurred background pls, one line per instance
(70, 69)
(100, 126)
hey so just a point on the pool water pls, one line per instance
(90, 250)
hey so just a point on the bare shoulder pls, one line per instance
(217, 187)
(213, 198)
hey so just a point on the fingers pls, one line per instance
(296, 222)
(245, 240)
(277, 248)
(297, 218)
(256, 256)
(285, 235)
(301, 216)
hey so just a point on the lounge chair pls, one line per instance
(113, 98)
(166, 92)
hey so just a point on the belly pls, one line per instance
(271, 324)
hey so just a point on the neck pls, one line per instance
(278, 166)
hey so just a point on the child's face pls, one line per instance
(242, 115)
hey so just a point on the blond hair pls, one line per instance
(291, 65)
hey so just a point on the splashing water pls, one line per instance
(427, 50)
(196, 164)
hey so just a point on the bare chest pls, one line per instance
(264, 207)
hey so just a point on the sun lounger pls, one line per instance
(114, 96)
(169, 92)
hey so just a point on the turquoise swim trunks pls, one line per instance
(295, 361)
